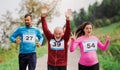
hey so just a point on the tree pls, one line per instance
(105, 13)
(7, 26)
(91, 11)
(34, 7)
(80, 17)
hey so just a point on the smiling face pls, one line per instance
(58, 33)
(88, 30)
(28, 21)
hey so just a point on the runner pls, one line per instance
(57, 43)
(27, 41)
(88, 46)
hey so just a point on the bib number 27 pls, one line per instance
(29, 38)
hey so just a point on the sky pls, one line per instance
(75, 5)
(9, 5)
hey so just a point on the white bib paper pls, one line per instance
(90, 45)
(29, 38)
(56, 45)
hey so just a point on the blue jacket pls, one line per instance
(28, 38)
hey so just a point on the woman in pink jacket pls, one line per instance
(88, 45)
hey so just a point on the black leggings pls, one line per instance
(57, 67)
(94, 67)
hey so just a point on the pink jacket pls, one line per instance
(88, 47)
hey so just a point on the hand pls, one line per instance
(73, 36)
(68, 14)
(44, 10)
(18, 41)
(37, 44)
(108, 37)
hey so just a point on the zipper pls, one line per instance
(55, 57)
(56, 60)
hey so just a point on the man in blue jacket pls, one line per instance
(27, 41)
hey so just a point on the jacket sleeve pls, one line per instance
(14, 35)
(74, 44)
(67, 30)
(40, 37)
(103, 46)
(46, 31)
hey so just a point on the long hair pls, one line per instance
(80, 30)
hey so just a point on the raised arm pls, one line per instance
(105, 45)
(46, 31)
(74, 43)
(68, 29)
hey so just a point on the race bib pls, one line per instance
(56, 45)
(29, 38)
(90, 45)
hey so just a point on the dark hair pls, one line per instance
(80, 30)
(28, 15)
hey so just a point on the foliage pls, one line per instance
(7, 55)
(100, 15)
(102, 22)
(73, 27)
(81, 17)
(34, 7)
(110, 59)
(108, 62)
(10, 65)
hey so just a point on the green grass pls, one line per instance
(7, 55)
(109, 59)
(10, 57)
(112, 30)
(10, 65)
(107, 29)
(108, 63)
(42, 50)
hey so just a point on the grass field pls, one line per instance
(10, 58)
(110, 59)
